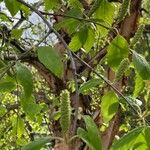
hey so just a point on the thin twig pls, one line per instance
(13, 63)
(73, 54)
(20, 21)
(77, 18)
(22, 55)
(48, 33)
(106, 80)
(69, 54)
(146, 11)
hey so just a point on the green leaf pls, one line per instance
(16, 33)
(20, 127)
(37, 144)
(82, 134)
(83, 33)
(70, 25)
(93, 132)
(30, 107)
(89, 84)
(117, 51)
(50, 4)
(24, 77)
(3, 110)
(128, 140)
(21, 141)
(105, 12)
(91, 136)
(147, 135)
(51, 60)
(141, 65)
(6, 86)
(109, 106)
(74, 12)
(75, 43)
(139, 85)
(140, 142)
(85, 38)
(13, 6)
(89, 40)
(75, 4)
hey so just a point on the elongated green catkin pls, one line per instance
(65, 110)
(122, 68)
(137, 35)
(94, 7)
(123, 10)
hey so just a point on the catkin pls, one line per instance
(94, 7)
(65, 110)
(122, 68)
(137, 35)
(123, 10)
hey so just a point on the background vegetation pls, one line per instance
(75, 74)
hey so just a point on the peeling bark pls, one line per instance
(130, 24)
(127, 29)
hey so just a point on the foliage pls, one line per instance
(74, 71)
(135, 139)
(37, 145)
(90, 135)
(49, 57)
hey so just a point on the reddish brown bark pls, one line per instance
(130, 24)
(127, 29)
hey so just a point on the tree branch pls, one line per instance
(106, 81)
(77, 18)
(69, 54)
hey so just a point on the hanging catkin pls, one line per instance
(65, 110)
(122, 68)
(124, 10)
(137, 35)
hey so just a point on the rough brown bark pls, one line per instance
(127, 29)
